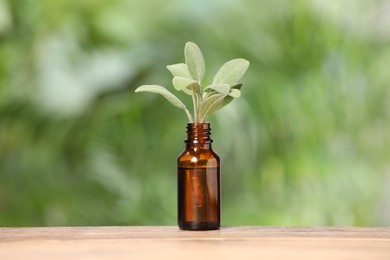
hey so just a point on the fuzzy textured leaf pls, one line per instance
(164, 92)
(237, 86)
(235, 93)
(231, 72)
(187, 91)
(184, 83)
(211, 104)
(229, 99)
(194, 60)
(179, 70)
(220, 88)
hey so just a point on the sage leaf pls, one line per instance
(237, 86)
(168, 95)
(229, 98)
(187, 77)
(231, 72)
(210, 105)
(235, 93)
(194, 60)
(220, 88)
(164, 92)
(179, 70)
(187, 91)
(184, 83)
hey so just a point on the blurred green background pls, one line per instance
(306, 144)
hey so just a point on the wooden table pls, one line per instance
(167, 242)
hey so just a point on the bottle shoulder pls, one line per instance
(198, 158)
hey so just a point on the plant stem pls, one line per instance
(195, 101)
(199, 104)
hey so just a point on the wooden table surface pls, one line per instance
(167, 242)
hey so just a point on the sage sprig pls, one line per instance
(188, 77)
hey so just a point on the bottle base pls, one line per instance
(199, 226)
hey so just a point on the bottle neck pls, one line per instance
(198, 136)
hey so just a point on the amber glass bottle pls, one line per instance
(198, 181)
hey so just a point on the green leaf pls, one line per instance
(220, 88)
(168, 95)
(237, 86)
(235, 93)
(183, 83)
(229, 99)
(164, 92)
(225, 102)
(210, 105)
(195, 61)
(231, 72)
(179, 70)
(187, 91)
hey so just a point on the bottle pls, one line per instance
(198, 181)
